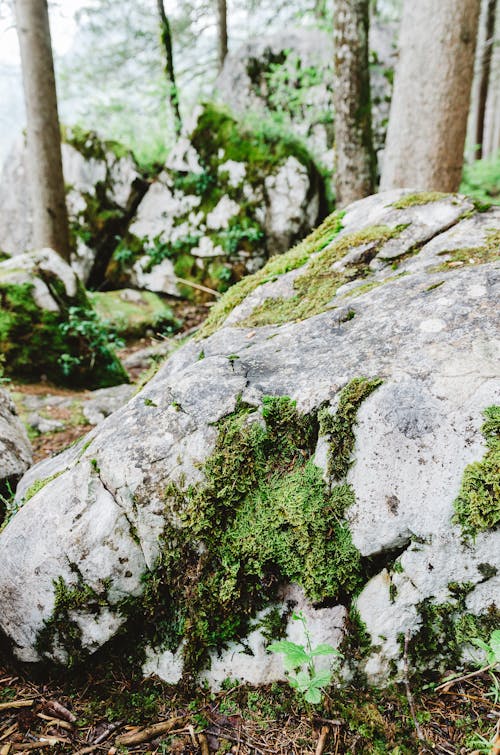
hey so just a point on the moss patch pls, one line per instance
(131, 317)
(278, 265)
(316, 287)
(39, 485)
(61, 631)
(68, 346)
(263, 517)
(445, 629)
(339, 428)
(477, 506)
(474, 255)
(423, 197)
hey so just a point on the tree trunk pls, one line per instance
(50, 217)
(222, 32)
(355, 158)
(430, 103)
(485, 76)
(173, 93)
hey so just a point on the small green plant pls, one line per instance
(298, 661)
(492, 651)
(86, 325)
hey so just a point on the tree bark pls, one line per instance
(222, 32)
(430, 103)
(173, 92)
(50, 217)
(485, 76)
(355, 158)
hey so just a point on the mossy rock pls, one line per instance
(221, 205)
(314, 438)
(130, 313)
(49, 328)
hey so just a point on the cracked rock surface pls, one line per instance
(428, 328)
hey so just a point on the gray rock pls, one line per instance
(15, 448)
(431, 335)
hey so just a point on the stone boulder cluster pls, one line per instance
(329, 441)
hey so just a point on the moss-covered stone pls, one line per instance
(421, 198)
(282, 263)
(477, 506)
(218, 139)
(61, 631)
(67, 346)
(130, 313)
(316, 287)
(489, 251)
(262, 518)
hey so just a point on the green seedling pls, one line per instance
(298, 661)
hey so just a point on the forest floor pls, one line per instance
(118, 712)
(112, 709)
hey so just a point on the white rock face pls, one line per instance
(15, 448)
(289, 203)
(81, 175)
(222, 213)
(415, 435)
(30, 268)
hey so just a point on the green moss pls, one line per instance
(68, 346)
(339, 428)
(263, 517)
(278, 265)
(489, 251)
(61, 631)
(477, 506)
(39, 485)
(133, 318)
(423, 197)
(217, 129)
(316, 287)
(444, 630)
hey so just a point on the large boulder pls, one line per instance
(48, 326)
(330, 440)
(15, 449)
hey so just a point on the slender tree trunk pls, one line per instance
(355, 158)
(222, 32)
(173, 92)
(50, 217)
(485, 76)
(430, 103)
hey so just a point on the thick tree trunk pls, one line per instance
(221, 32)
(50, 217)
(355, 158)
(430, 103)
(173, 93)
(485, 76)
